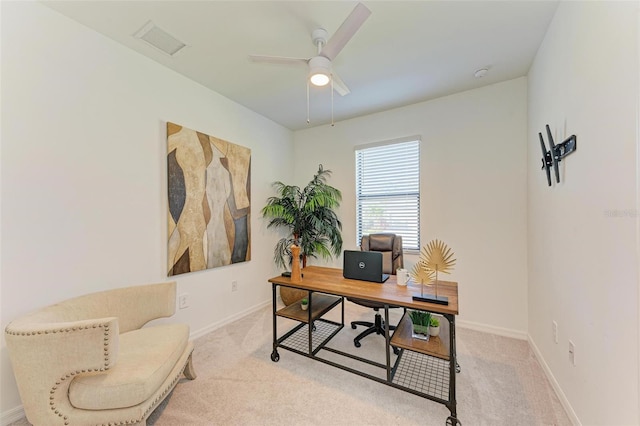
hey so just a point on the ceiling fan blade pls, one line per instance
(339, 86)
(278, 59)
(347, 30)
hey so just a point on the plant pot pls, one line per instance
(434, 331)
(420, 329)
(292, 295)
(304, 306)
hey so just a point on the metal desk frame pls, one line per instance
(313, 332)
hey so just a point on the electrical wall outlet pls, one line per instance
(555, 332)
(234, 285)
(183, 301)
(572, 353)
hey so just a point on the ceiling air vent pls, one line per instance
(159, 38)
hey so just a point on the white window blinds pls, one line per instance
(388, 191)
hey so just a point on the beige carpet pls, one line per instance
(501, 383)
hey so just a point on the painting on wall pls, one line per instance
(209, 201)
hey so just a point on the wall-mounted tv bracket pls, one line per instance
(556, 153)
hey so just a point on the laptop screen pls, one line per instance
(363, 265)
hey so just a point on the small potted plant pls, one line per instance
(304, 304)
(420, 321)
(434, 326)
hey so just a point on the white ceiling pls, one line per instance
(405, 52)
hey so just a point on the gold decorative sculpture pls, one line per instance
(434, 257)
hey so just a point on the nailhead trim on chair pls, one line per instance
(72, 373)
(54, 388)
(61, 330)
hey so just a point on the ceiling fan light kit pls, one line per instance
(320, 73)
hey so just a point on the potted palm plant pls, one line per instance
(308, 215)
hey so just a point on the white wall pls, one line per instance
(583, 259)
(473, 189)
(84, 204)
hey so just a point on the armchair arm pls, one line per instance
(364, 243)
(398, 256)
(397, 246)
(46, 356)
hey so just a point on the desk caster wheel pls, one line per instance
(356, 344)
(275, 356)
(458, 369)
(452, 421)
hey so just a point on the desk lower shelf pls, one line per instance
(424, 375)
(437, 346)
(320, 305)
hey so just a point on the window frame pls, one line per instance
(359, 151)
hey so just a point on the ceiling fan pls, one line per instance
(320, 70)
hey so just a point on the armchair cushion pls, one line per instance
(145, 360)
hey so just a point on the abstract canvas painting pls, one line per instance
(209, 201)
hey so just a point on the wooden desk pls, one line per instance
(328, 289)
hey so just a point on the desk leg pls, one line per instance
(275, 357)
(388, 341)
(453, 368)
(310, 323)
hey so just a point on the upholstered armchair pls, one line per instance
(392, 259)
(391, 247)
(89, 360)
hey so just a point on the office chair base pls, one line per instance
(377, 327)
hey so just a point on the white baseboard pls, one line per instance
(228, 320)
(506, 332)
(12, 415)
(554, 383)
(547, 371)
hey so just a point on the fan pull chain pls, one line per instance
(332, 123)
(308, 121)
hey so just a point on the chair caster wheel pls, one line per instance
(275, 356)
(356, 344)
(396, 350)
(354, 326)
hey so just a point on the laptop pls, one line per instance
(363, 265)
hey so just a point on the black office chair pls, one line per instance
(391, 247)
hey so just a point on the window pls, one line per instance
(388, 190)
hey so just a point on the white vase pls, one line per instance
(434, 331)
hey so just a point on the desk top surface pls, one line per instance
(331, 281)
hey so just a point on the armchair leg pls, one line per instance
(189, 371)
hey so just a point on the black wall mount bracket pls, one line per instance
(556, 153)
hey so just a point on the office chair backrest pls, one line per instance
(391, 247)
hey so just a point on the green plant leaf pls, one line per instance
(308, 215)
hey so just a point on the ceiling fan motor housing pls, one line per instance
(319, 37)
